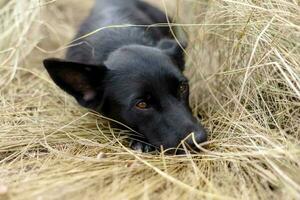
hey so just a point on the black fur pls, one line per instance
(115, 69)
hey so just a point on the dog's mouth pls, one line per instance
(193, 143)
(184, 149)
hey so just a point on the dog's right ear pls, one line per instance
(174, 51)
(83, 81)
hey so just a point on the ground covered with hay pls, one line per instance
(244, 67)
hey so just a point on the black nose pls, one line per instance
(196, 137)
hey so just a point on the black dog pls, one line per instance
(131, 74)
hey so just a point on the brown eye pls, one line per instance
(142, 105)
(183, 87)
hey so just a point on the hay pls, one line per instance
(244, 67)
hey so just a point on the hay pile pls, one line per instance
(244, 67)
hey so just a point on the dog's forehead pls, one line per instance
(149, 76)
(137, 70)
(135, 85)
(148, 64)
(137, 56)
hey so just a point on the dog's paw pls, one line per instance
(141, 147)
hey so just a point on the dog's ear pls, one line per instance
(174, 50)
(83, 81)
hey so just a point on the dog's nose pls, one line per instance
(192, 142)
(196, 137)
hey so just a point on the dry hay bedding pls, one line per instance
(244, 67)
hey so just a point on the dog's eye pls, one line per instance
(183, 87)
(142, 105)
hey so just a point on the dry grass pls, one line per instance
(244, 66)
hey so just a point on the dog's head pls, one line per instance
(142, 87)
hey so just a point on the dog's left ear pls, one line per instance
(83, 81)
(174, 50)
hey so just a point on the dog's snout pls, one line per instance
(192, 142)
(196, 137)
